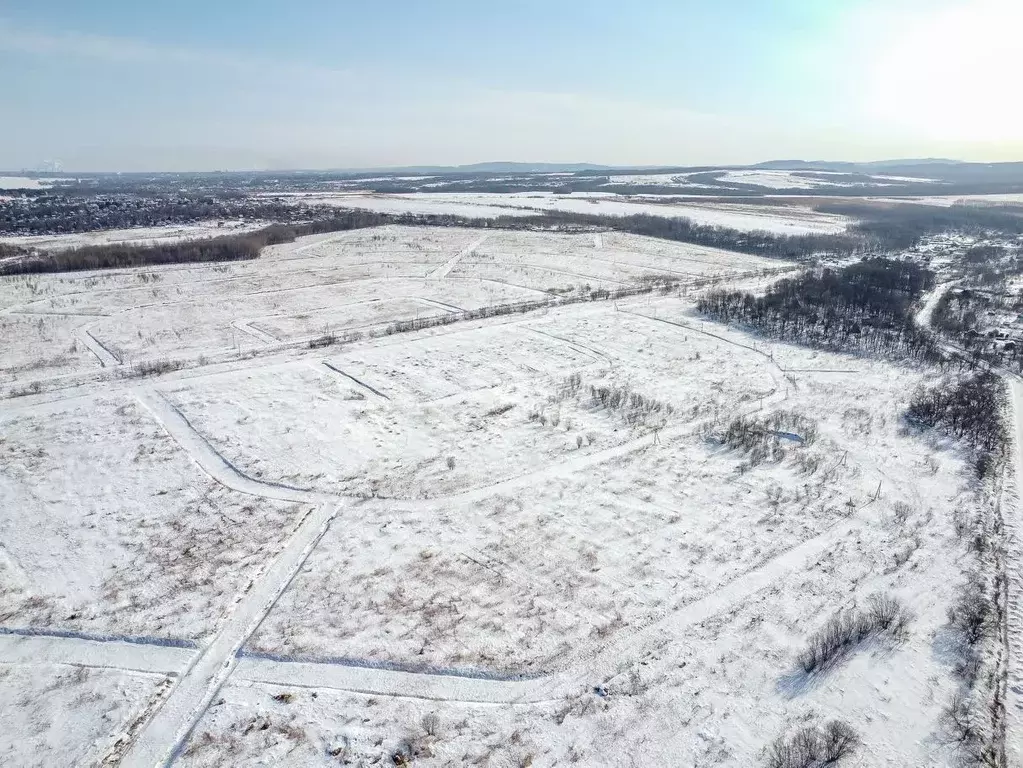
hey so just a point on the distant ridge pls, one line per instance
(836, 165)
(490, 167)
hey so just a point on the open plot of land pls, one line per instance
(521, 579)
(783, 218)
(328, 428)
(133, 236)
(66, 715)
(616, 520)
(108, 528)
(390, 418)
(540, 580)
(352, 281)
(26, 337)
(603, 260)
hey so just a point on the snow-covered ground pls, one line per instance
(429, 204)
(792, 180)
(56, 714)
(133, 236)
(24, 182)
(950, 200)
(512, 540)
(653, 179)
(776, 179)
(789, 218)
(114, 533)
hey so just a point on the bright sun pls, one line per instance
(953, 73)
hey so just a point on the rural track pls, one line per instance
(359, 382)
(590, 668)
(106, 357)
(245, 326)
(212, 461)
(1014, 586)
(923, 317)
(447, 266)
(144, 658)
(161, 738)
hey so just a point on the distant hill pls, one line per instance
(845, 166)
(513, 167)
(493, 167)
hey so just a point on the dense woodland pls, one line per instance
(894, 227)
(957, 314)
(969, 408)
(52, 214)
(864, 307)
(684, 230)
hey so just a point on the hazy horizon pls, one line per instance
(115, 86)
(525, 163)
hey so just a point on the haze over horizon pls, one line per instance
(122, 86)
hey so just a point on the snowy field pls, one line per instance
(133, 236)
(249, 515)
(946, 201)
(24, 182)
(784, 218)
(792, 179)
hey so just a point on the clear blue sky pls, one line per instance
(111, 84)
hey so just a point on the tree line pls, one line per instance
(865, 306)
(892, 227)
(887, 231)
(226, 248)
(970, 408)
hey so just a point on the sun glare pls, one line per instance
(952, 74)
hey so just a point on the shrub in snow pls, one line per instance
(813, 746)
(846, 629)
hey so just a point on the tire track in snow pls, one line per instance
(106, 357)
(245, 327)
(593, 668)
(160, 739)
(82, 652)
(212, 462)
(448, 265)
(97, 637)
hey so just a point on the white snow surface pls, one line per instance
(56, 714)
(778, 179)
(133, 235)
(788, 218)
(352, 535)
(24, 182)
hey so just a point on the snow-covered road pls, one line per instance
(1014, 572)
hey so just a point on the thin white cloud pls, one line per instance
(237, 110)
(120, 50)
